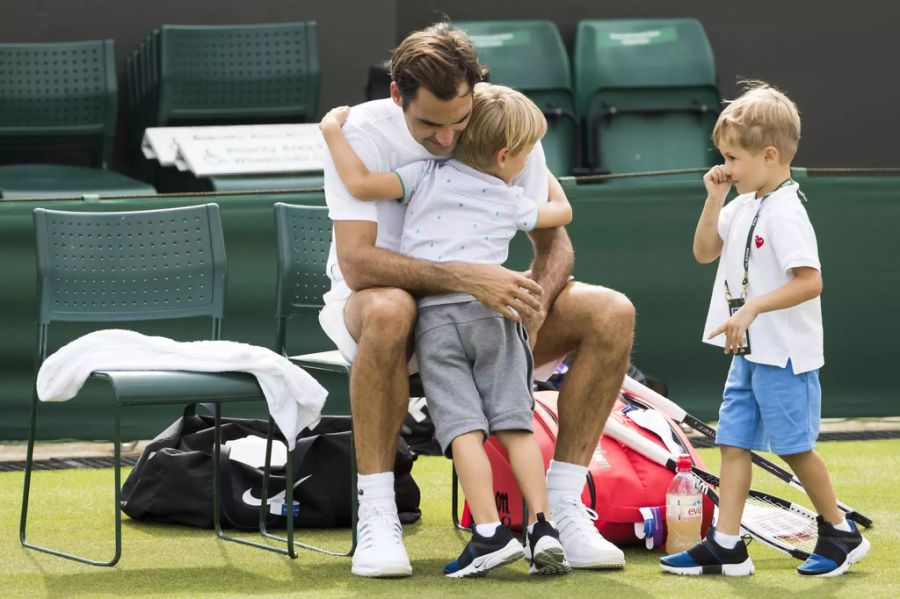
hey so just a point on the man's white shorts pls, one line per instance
(331, 318)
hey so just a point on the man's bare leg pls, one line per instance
(597, 324)
(381, 320)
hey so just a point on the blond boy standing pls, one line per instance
(765, 310)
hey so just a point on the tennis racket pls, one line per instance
(644, 395)
(776, 522)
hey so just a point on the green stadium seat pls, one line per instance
(303, 240)
(57, 121)
(192, 75)
(68, 293)
(530, 57)
(647, 92)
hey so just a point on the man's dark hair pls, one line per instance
(438, 58)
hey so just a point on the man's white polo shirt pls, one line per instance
(378, 133)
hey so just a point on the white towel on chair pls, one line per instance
(295, 398)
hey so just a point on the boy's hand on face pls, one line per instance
(334, 118)
(735, 327)
(717, 183)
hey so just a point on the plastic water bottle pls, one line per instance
(684, 509)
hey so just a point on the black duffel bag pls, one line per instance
(172, 480)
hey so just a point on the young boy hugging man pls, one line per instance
(765, 302)
(475, 363)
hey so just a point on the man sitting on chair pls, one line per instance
(370, 311)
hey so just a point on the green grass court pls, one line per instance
(170, 561)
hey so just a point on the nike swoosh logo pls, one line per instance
(249, 499)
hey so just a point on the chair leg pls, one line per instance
(354, 511)
(29, 464)
(454, 499)
(217, 496)
(288, 495)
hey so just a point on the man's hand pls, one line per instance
(735, 327)
(334, 118)
(717, 182)
(510, 293)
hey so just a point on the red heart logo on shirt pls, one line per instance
(759, 241)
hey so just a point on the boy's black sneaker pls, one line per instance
(547, 554)
(835, 550)
(708, 557)
(485, 553)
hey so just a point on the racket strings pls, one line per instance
(780, 524)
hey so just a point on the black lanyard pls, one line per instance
(746, 280)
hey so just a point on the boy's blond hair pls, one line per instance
(762, 116)
(501, 118)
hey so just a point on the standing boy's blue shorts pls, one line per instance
(767, 408)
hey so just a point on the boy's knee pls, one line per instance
(796, 456)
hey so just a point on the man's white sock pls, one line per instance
(377, 490)
(564, 479)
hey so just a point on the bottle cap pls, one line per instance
(684, 463)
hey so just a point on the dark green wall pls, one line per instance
(632, 237)
(828, 55)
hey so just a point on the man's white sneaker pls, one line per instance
(379, 550)
(585, 546)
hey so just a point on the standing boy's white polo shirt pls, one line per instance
(378, 133)
(783, 239)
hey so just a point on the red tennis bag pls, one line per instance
(620, 483)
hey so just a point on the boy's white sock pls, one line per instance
(487, 530)
(726, 541)
(564, 479)
(844, 526)
(377, 490)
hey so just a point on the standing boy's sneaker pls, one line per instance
(485, 553)
(547, 554)
(835, 550)
(708, 557)
(379, 551)
(585, 546)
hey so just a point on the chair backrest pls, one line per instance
(129, 266)
(303, 238)
(640, 53)
(526, 55)
(238, 73)
(646, 90)
(530, 57)
(57, 102)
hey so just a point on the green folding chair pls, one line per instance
(140, 266)
(57, 121)
(303, 239)
(529, 56)
(647, 92)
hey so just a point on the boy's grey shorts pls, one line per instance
(476, 368)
